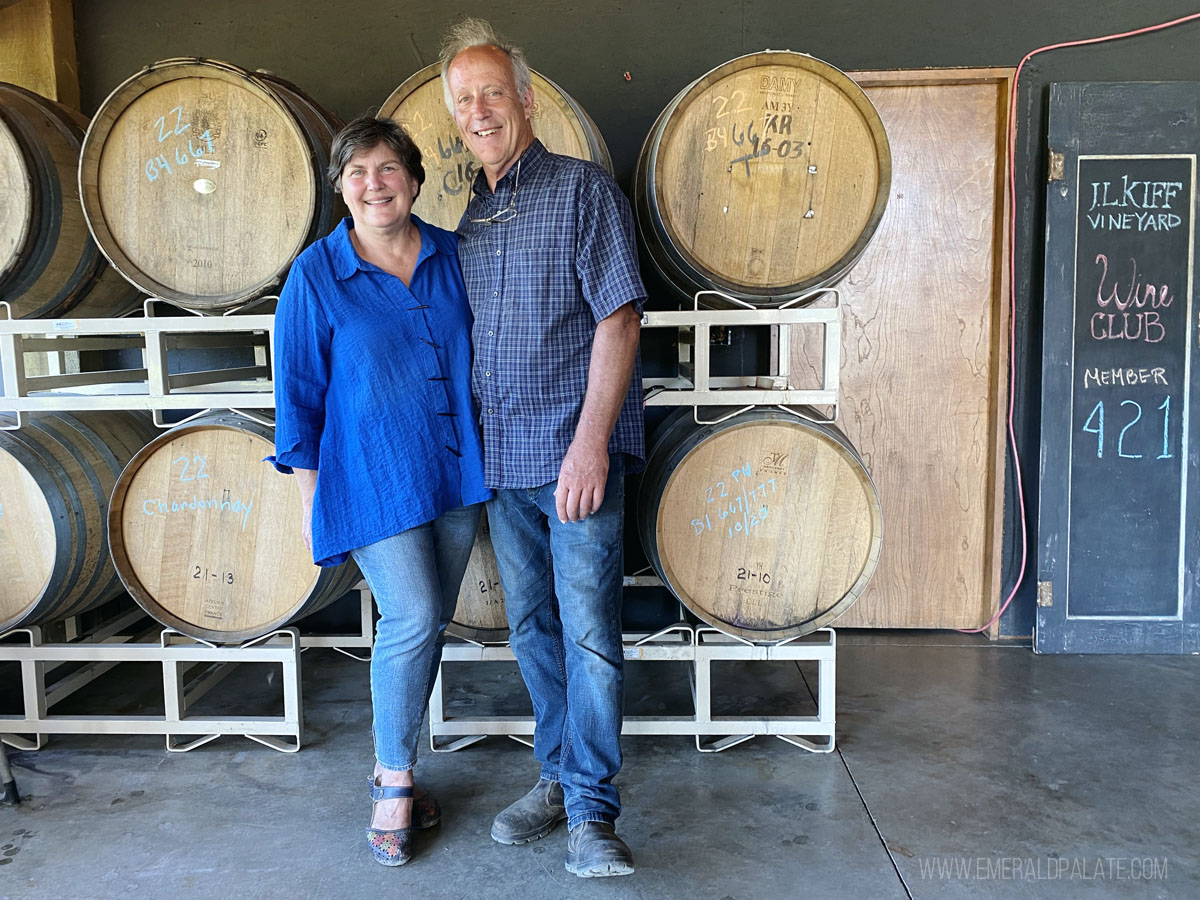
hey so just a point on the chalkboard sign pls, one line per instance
(1117, 566)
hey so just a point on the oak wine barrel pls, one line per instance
(56, 474)
(49, 264)
(766, 526)
(419, 106)
(206, 536)
(765, 178)
(479, 615)
(202, 181)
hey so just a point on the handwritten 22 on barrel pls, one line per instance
(202, 181)
(766, 526)
(765, 178)
(418, 105)
(56, 474)
(49, 264)
(206, 536)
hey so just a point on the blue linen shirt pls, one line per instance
(372, 390)
(539, 283)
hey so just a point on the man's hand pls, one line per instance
(584, 470)
(581, 481)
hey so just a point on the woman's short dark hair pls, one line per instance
(366, 133)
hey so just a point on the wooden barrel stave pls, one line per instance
(49, 264)
(57, 473)
(480, 614)
(418, 104)
(173, 170)
(205, 535)
(764, 179)
(702, 521)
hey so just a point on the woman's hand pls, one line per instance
(307, 480)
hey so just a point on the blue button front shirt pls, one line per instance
(372, 390)
(538, 282)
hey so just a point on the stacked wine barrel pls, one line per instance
(163, 194)
(419, 105)
(174, 171)
(56, 475)
(206, 536)
(49, 264)
(763, 180)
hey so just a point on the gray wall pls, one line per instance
(351, 54)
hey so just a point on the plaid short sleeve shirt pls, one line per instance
(538, 281)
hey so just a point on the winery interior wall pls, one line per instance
(625, 61)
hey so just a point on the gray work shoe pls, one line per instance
(594, 850)
(533, 816)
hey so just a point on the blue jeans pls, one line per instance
(415, 576)
(562, 593)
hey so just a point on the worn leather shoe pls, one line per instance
(533, 816)
(594, 851)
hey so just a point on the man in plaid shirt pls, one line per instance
(550, 263)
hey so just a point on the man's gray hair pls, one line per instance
(468, 32)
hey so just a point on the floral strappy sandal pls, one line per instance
(393, 846)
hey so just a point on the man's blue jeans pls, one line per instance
(562, 593)
(414, 576)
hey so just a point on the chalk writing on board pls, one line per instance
(1096, 376)
(1129, 296)
(1140, 434)
(227, 503)
(1127, 205)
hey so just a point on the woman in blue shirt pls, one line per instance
(375, 416)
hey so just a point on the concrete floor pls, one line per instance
(962, 769)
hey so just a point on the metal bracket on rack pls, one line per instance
(177, 653)
(696, 385)
(676, 643)
(149, 387)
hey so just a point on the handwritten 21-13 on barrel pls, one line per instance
(206, 536)
(764, 179)
(56, 474)
(419, 106)
(765, 525)
(49, 264)
(202, 181)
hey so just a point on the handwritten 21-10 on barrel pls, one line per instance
(766, 525)
(419, 106)
(764, 179)
(206, 535)
(202, 181)
(56, 474)
(49, 264)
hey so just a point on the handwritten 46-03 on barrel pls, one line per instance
(206, 536)
(766, 526)
(764, 179)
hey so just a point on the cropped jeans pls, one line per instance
(562, 594)
(415, 577)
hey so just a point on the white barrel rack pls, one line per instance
(145, 387)
(150, 387)
(700, 648)
(127, 638)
